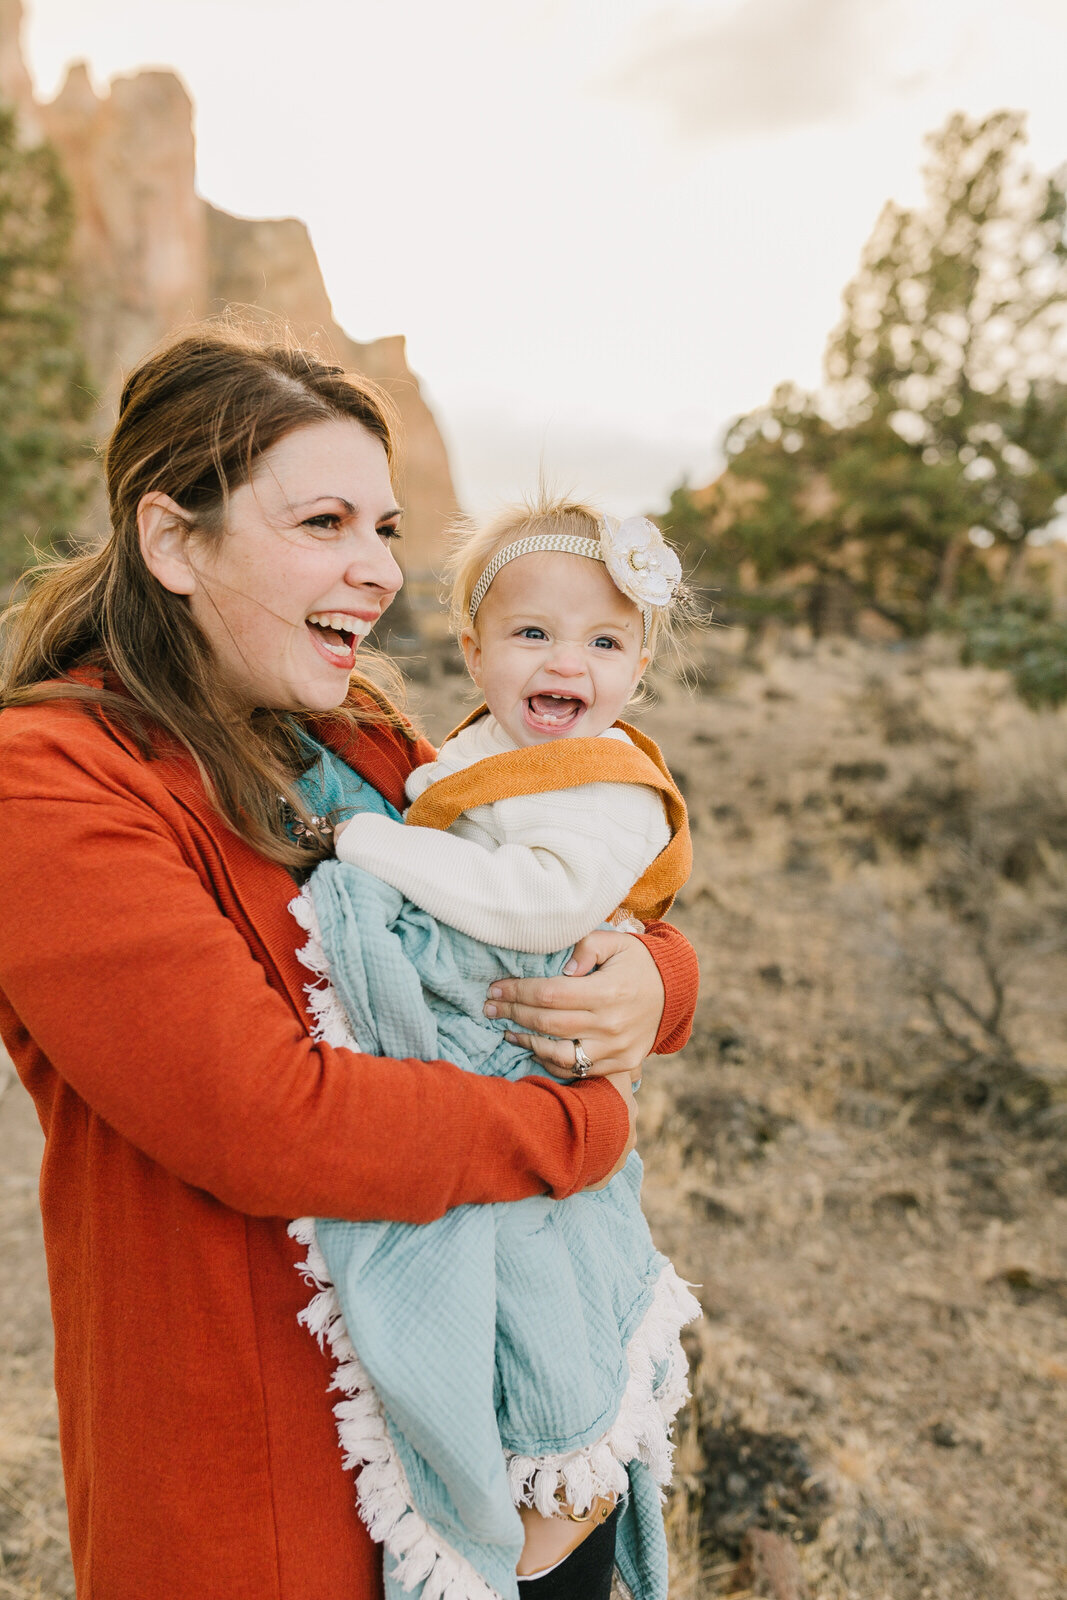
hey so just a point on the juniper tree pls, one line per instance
(955, 328)
(943, 420)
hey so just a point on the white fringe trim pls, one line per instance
(329, 1024)
(641, 1430)
(383, 1494)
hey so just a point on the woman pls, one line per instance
(158, 698)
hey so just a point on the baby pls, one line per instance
(558, 820)
(557, 648)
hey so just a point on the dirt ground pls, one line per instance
(861, 1157)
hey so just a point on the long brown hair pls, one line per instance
(194, 419)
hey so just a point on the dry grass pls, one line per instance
(34, 1558)
(875, 1213)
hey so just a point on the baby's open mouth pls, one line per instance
(553, 713)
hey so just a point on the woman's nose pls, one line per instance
(377, 569)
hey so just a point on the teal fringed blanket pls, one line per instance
(530, 1345)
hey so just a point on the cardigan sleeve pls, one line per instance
(122, 972)
(679, 972)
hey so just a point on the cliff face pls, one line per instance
(140, 238)
(15, 86)
(150, 255)
(270, 263)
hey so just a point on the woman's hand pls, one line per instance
(611, 1000)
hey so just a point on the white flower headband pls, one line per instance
(640, 563)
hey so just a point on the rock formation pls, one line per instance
(150, 255)
(271, 264)
(15, 85)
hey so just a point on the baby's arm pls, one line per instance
(566, 860)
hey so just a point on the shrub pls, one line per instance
(1021, 634)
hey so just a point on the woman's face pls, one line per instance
(303, 569)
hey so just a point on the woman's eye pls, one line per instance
(389, 530)
(323, 522)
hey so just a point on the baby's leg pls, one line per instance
(550, 1540)
(584, 1571)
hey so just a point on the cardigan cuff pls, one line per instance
(680, 971)
(607, 1128)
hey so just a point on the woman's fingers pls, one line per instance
(564, 1007)
(551, 994)
(555, 1054)
(591, 952)
(536, 1005)
(615, 1011)
(595, 950)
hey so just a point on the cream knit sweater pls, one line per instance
(534, 872)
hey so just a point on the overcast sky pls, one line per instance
(605, 226)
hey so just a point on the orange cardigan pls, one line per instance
(153, 1004)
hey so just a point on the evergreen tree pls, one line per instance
(45, 394)
(955, 328)
(943, 423)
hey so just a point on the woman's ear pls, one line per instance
(472, 654)
(164, 531)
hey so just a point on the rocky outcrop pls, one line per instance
(150, 255)
(16, 89)
(140, 236)
(270, 264)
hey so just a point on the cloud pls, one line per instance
(770, 65)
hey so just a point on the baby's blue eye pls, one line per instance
(532, 633)
(607, 642)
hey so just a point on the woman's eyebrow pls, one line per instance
(350, 509)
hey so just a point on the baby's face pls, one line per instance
(556, 650)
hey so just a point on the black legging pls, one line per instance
(586, 1573)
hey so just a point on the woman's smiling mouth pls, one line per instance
(336, 635)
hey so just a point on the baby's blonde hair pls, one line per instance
(473, 546)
